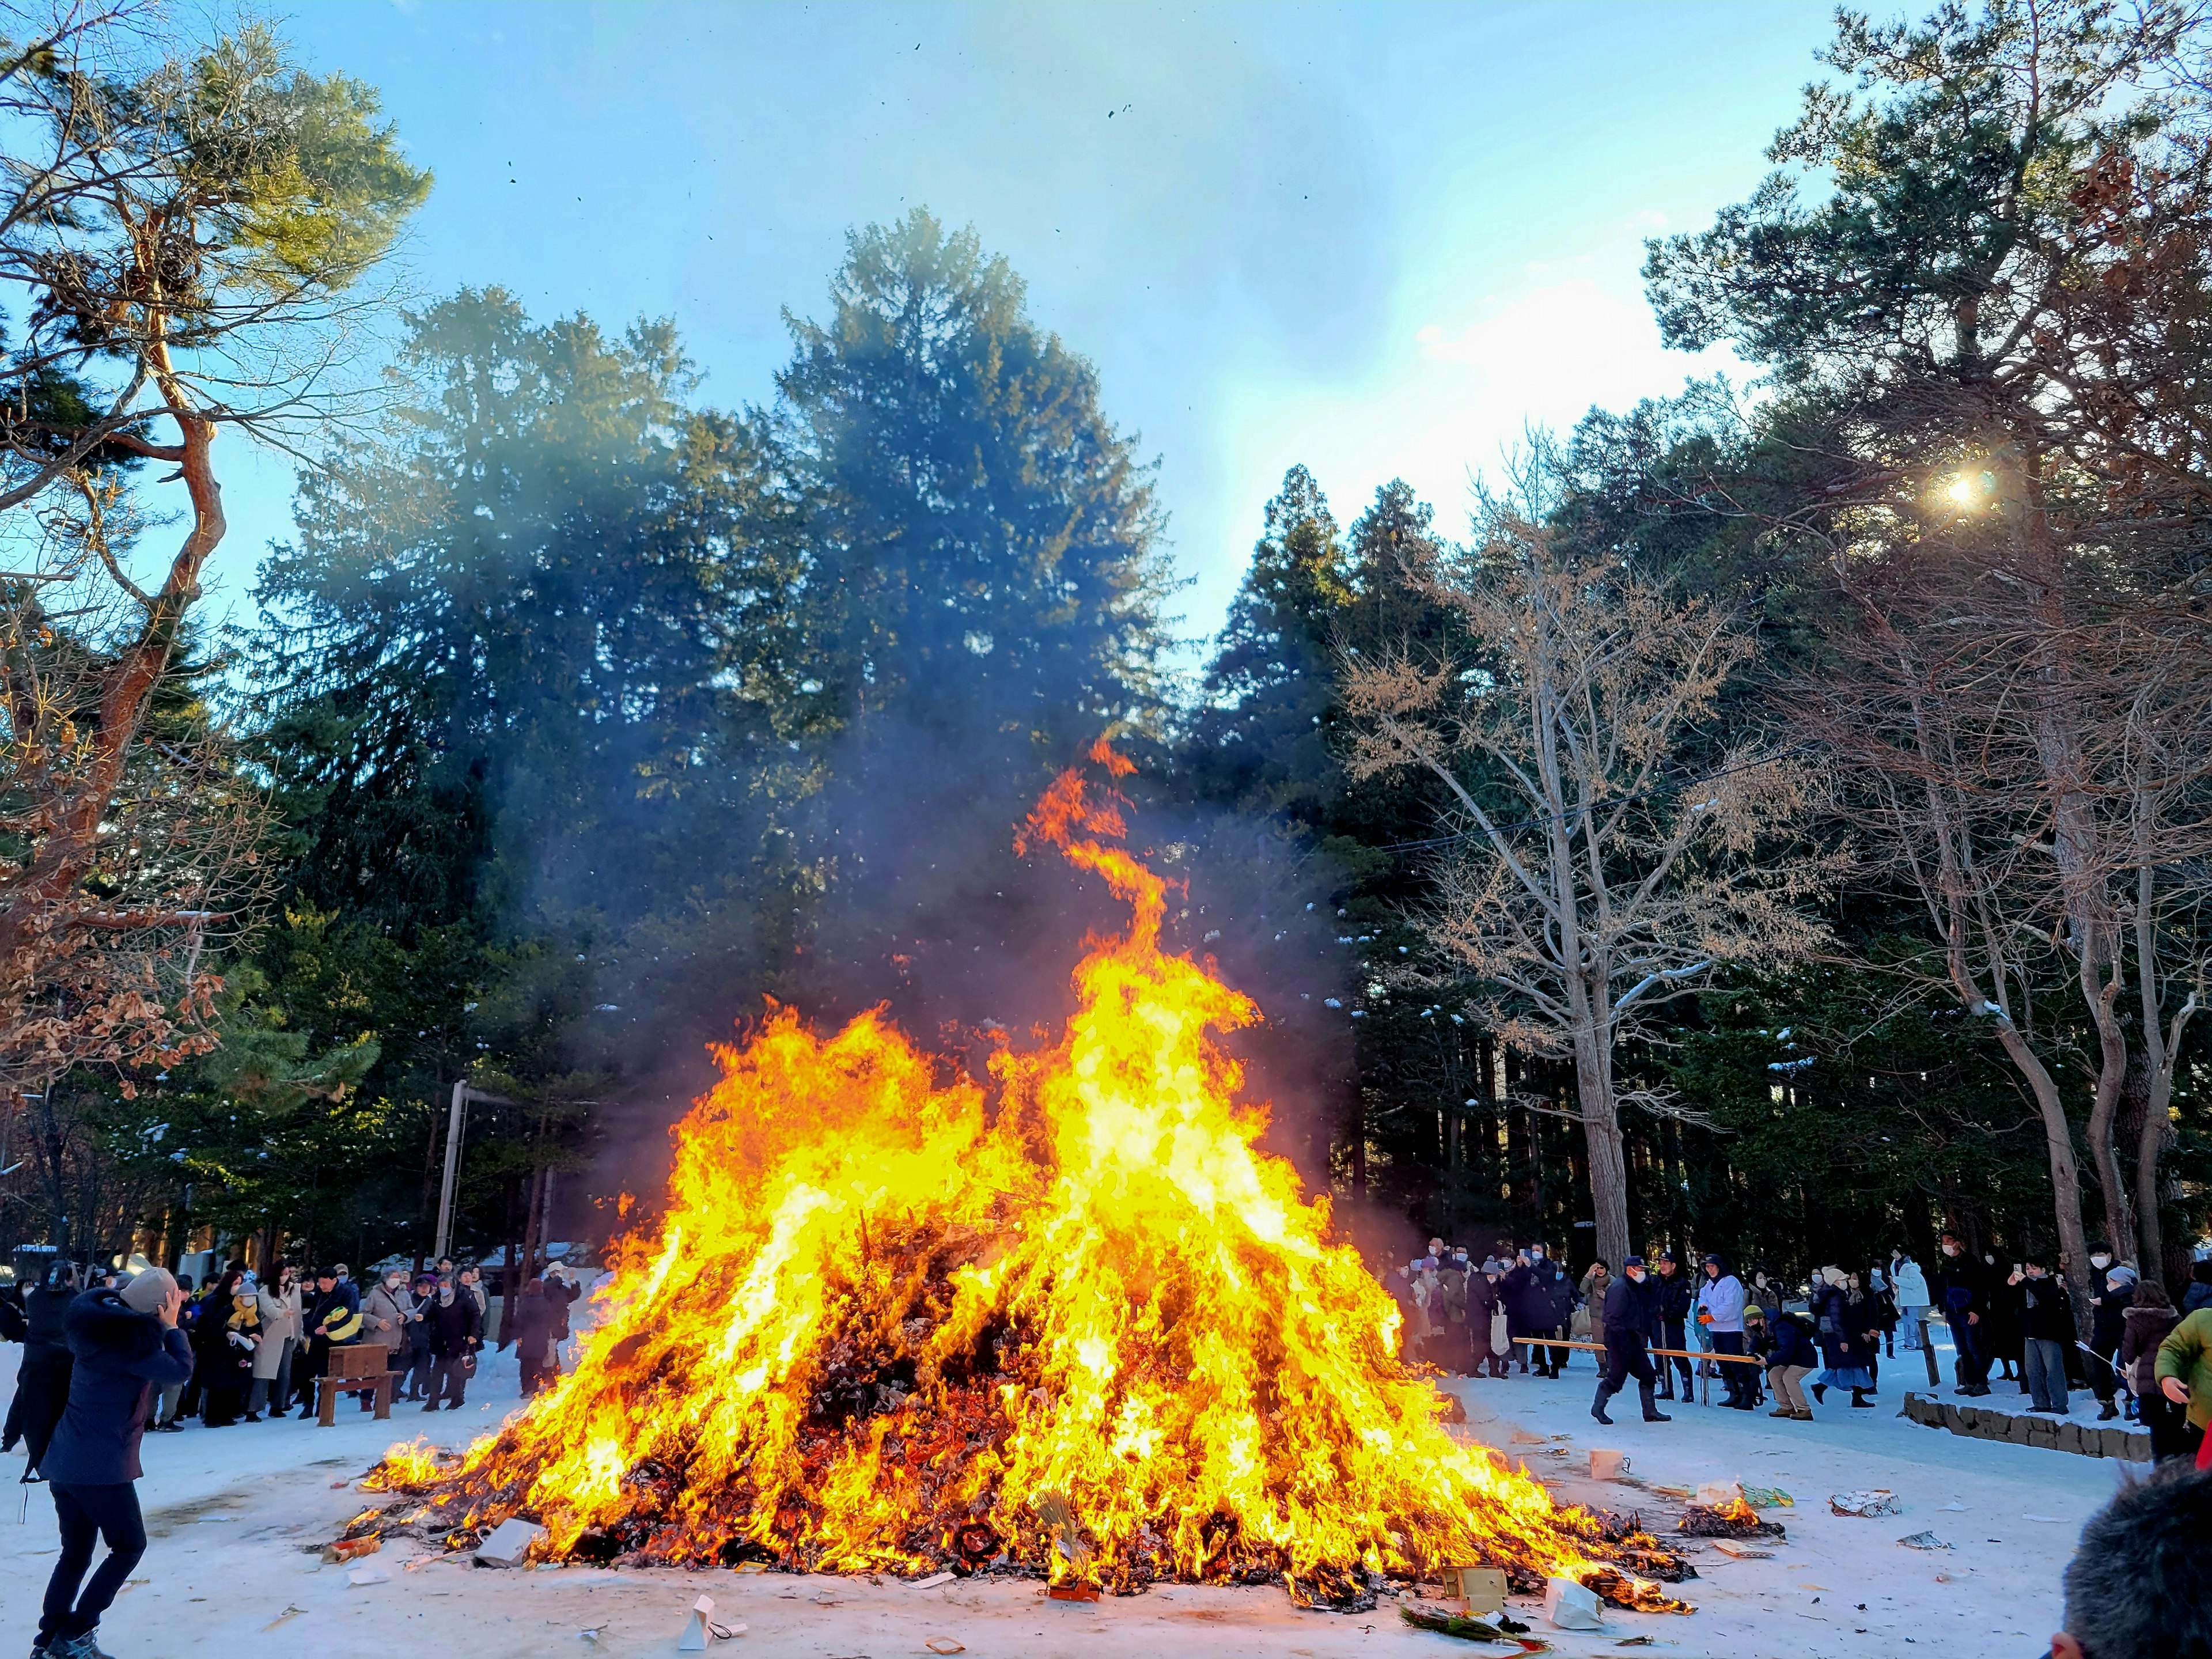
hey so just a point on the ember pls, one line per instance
(1076, 1327)
(1733, 1519)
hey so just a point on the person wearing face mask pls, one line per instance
(456, 1332)
(1962, 1302)
(1910, 1287)
(2046, 1326)
(1669, 1296)
(1720, 1311)
(1624, 1356)
(2111, 1289)
(415, 1351)
(279, 1310)
(1484, 1309)
(1844, 1328)
(383, 1313)
(1536, 1290)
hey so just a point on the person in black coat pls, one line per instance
(1483, 1302)
(127, 1349)
(42, 1382)
(1963, 1295)
(415, 1334)
(536, 1317)
(215, 1364)
(1669, 1292)
(1624, 1345)
(2112, 1292)
(2045, 1317)
(1539, 1300)
(456, 1332)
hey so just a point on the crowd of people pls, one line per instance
(1660, 1325)
(260, 1345)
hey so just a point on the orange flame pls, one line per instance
(1078, 1323)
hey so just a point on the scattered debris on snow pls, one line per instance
(1922, 1541)
(1880, 1500)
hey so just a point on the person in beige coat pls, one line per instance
(279, 1307)
(383, 1313)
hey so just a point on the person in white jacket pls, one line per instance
(1909, 1287)
(1720, 1311)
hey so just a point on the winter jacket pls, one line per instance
(218, 1359)
(1619, 1324)
(1910, 1284)
(45, 1309)
(1789, 1343)
(2046, 1313)
(383, 1317)
(456, 1327)
(1842, 1325)
(2198, 1295)
(2186, 1353)
(123, 1359)
(1671, 1295)
(1723, 1298)
(14, 1327)
(336, 1313)
(1534, 1294)
(564, 1292)
(1482, 1305)
(2108, 1312)
(2146, 1328)
(278, 1322)
(1960, 1289)
(536, 1317)
(1596, 1295)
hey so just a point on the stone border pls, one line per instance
(2054, 1434)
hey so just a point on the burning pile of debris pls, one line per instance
(1075, 1326)
(1733, 1519)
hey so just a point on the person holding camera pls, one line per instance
(126, 1348)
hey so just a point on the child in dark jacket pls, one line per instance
(1790, 1358)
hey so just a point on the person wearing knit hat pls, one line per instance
(2112, 1293)
(127, 1348)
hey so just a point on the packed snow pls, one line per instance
(238, 1517)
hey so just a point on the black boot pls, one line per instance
(1597, 1406)
(1858, 1398)
(1651, 1411)
(2107, 1413)
(1820, 1392)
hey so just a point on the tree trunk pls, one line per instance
(1608, 1165)
(2065, 1172)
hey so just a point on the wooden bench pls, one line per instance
(358, 1368)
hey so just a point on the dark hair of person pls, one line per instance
(2149, 1293)
(2137, 1588)
(2201, 1273)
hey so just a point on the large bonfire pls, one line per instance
(1073, 1325)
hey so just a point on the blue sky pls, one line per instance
(1376, 238)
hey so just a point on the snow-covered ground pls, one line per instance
(239, 1516)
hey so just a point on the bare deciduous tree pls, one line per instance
(1608, 865)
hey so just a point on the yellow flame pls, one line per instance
(888, 1320)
